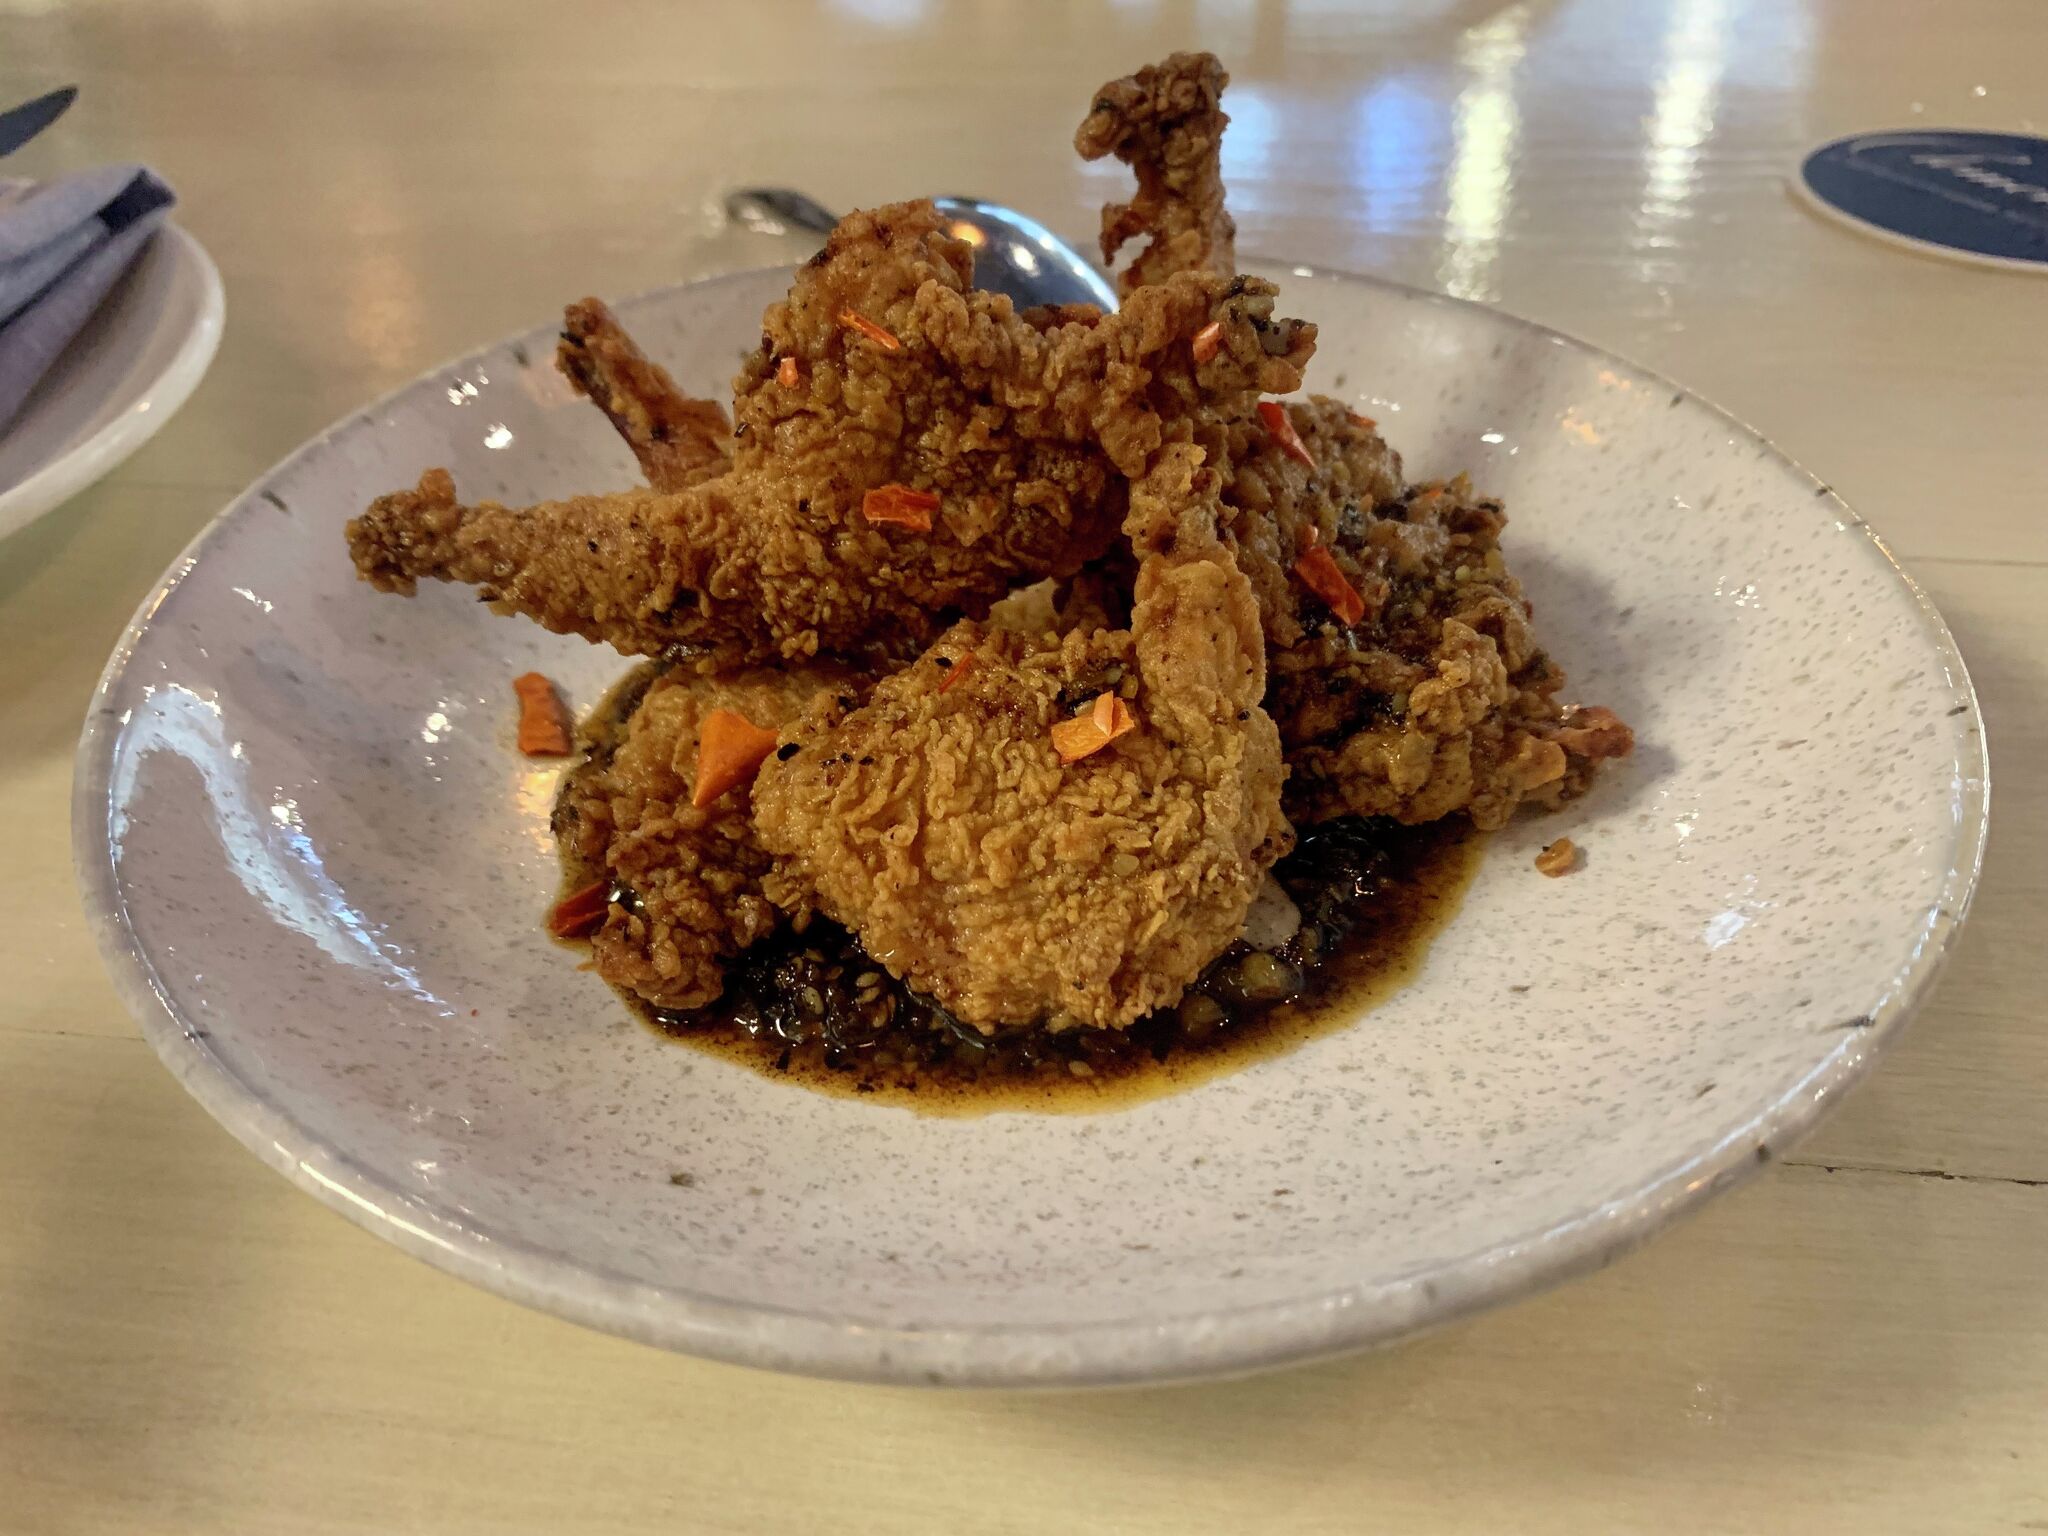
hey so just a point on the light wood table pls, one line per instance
(1857, 1342)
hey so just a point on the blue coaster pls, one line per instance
(1979, 197)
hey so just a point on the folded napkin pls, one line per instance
(63, 244)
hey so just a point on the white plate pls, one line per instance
(317, 870)
(137, 360)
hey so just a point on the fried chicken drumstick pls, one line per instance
(907, 450)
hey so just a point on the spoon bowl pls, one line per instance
(1014, 254)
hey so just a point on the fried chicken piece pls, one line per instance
(1165, 123)
(1438, 700)
(939, 821)
(678, 440)
(1024, 428)
(693, 875)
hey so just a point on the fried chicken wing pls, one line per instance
(678, 440)
(1166, 124)
(882, 369)
(940, 821)
(692, 876)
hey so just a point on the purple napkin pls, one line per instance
(63, 244)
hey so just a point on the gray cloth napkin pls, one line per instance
(63, 244)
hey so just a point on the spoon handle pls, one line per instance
(777, 210)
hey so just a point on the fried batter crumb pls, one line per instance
(1559, 858)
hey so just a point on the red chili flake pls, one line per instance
(1319, 572)
(1281, 425)
(901, 506)
(882, 337)
(962, 665)
(543, 723)
(1105, 720)
(581, 913)
(1360, 420)
(730, 751)
(1208, 341)
(786, 373)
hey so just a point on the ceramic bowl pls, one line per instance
(317, 868)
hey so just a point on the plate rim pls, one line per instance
(1111, 1352)
(47, 488)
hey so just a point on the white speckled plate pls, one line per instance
(317, 868)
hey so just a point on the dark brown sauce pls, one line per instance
(813, 1008)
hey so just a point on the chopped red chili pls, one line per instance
(1320, 573)
(582, 912)
(1106, 719)
(543, 722)
(901, 506)
(730, 751)
(1281, 425)
(881, 336)
(961, 667)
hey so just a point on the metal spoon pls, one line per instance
(1014, 254)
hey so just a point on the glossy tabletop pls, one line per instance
(1858, 1341)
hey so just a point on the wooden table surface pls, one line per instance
(1856, 1342)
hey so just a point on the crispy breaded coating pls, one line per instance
(693, 874)
(1165, 123)
(1275, 508)
(881, 368)
(1438, 700)
(941, 823)
(678, 440)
